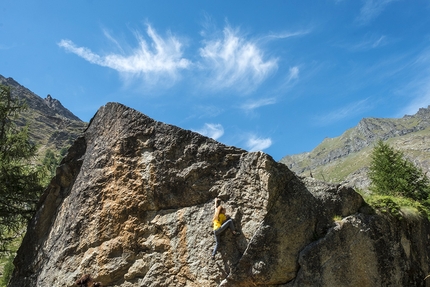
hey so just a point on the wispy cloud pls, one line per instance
(347, 111)
(81, 52)
(255, 104)
(291, 78)
(369, 42)
(381, 41)
(371, 9)
(214, 131)
(419, 87)
(206, 111)
(422, 101)
(226, 60)
(113, 40)
(235, 62)
(286, 35)
(162, 56)
(255, 143)
(294, 74)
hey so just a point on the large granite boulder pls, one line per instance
(132, 204)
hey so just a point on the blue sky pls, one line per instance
(277, 76)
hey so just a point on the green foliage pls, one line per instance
(6, 260)
(391, 174)
(337, 218)
(20, 180)
(63, 151)
(50, 162)
(7, 271)
(399, 207)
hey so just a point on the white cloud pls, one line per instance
(413, 107)
(214, 131)
(234, 62)
(367, 43)
(113, 40)
(294, 74)
(163, 56)
(381, 41)
(347, 111)
(80, 51)
(421, 97)
(371, 9)
(255, 143)
(417, 89)
(226, 60)
(252, 105)
(288, 34)
(207, 111)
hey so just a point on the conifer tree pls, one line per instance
(20, 180)
(391, 174)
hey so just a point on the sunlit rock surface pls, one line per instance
(132, 204)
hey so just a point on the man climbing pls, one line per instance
(221, 222)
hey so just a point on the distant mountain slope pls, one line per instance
(51, 125)
(347, 157)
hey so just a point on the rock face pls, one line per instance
(132, 204)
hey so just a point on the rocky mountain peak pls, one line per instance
(8, 81)
(365, 134)
(132, 205)
(59, 109)
(48, 106)
(423, 113)
(51, 125)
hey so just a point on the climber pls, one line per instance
(221, 222)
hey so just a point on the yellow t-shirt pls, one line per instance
(220, 221)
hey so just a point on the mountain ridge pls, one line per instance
(51, 125)
(357, 142)
(49, 105)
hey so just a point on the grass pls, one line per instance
(7, 269)
(398, 207)
(340, 169)
(337, 218)
(6, 261)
